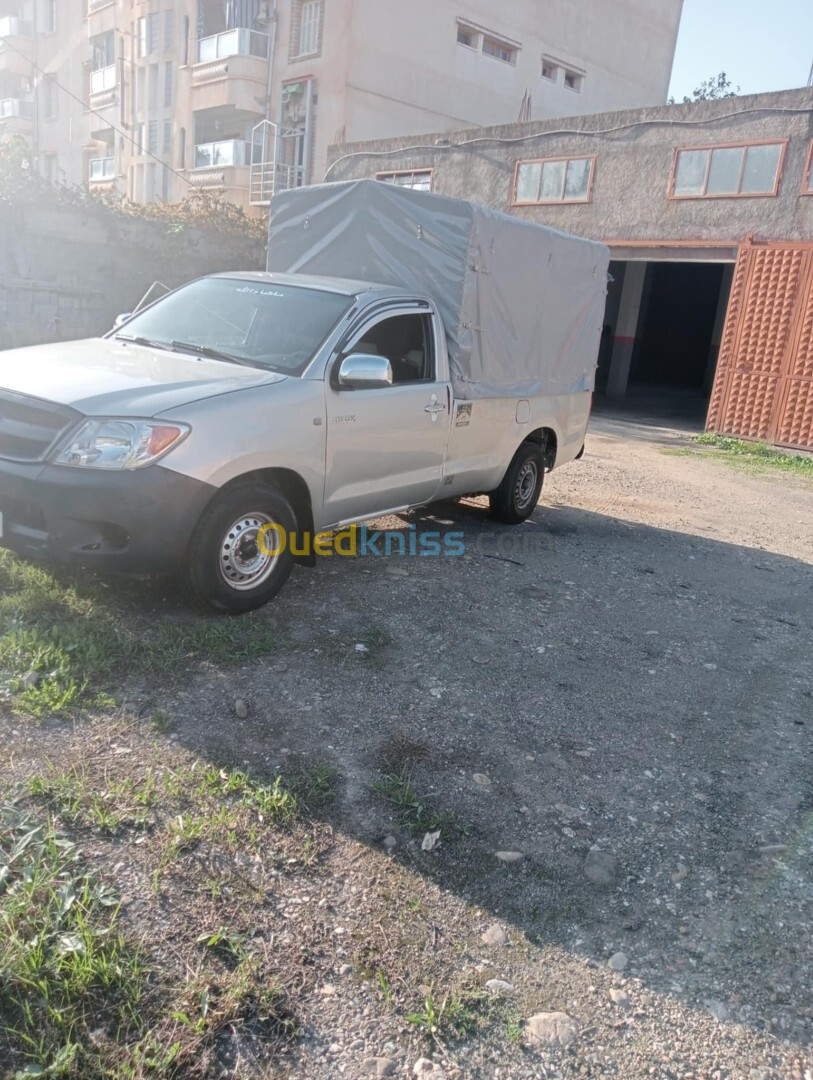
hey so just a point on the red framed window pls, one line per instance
(728, 171)
(554, 180)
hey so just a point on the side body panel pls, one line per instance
(273, 427)
(486, 433)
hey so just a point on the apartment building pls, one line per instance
(154, 98)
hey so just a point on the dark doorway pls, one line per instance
(677, 326)
(662, 365)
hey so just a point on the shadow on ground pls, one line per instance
(577, 684)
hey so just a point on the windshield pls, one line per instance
(279, 327)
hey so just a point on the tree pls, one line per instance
(716, 88)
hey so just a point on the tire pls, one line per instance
(515, 499)
(227, 567)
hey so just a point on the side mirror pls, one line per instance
(363, 371)
(121, 319)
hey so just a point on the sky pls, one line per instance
(760, 44)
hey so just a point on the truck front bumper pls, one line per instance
(134, 522)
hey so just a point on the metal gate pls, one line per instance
(763, 387)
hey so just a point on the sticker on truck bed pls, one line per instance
(463, 414)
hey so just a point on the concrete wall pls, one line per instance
(67, 271)
(405, 70)
(635, 156)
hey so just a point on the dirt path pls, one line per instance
(619, 694)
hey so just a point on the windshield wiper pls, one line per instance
(134, 339)
(209, 353)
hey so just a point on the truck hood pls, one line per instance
(104, 377)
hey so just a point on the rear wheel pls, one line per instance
(240, 553)
(515, 499)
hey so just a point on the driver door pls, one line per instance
(386, 446)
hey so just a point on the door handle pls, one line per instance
(434, 407)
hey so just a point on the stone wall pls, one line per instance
(635, 157)
(67, 270)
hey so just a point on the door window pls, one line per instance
(406, 341)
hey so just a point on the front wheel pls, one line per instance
(515, 499)
(240, 553)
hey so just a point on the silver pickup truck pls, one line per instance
(225, 429)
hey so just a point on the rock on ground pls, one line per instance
(553, 1029)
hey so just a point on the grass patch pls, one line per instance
(757, 455)
(315, 787)
(75, 995)
(80, 998)
(415, 812)
(68, 641)
(452, 1016)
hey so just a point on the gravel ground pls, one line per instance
(608, 711)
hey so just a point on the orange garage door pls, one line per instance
(763, 388)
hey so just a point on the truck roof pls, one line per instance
(344, 286)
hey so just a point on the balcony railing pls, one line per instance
(103, 80)
(102, 168)
(225, 152)
(233, 43)
(10, 26)
(16, 107)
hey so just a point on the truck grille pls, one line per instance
(29, 426)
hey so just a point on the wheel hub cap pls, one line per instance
(248, 552)
(526, 484)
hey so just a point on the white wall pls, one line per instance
(406, 73)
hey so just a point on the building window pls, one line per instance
(49, 21)
(50, 168)
(152, 98)
(182, 148)
(554, 180)
(550, 70)
(50, 98)
(169, 30)
(468, 36)
(166, 146)
(307, 26)
(500, 50)
(167, 84)
(725, 172)
(153, 31)
(807, 183)
(152, 137)
(141, 36)
(103, 47)
(416, 180)
(574, 80)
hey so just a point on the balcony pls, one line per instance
(103, 84)
(16, 116)
(16, 59)
(223, 167)
(226, 152)
(231, 71)
(101, 170)
(233, 43)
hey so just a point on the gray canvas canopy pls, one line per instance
(522, 304)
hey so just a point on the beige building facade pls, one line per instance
(157, 98)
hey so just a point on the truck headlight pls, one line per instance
(119, 444)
